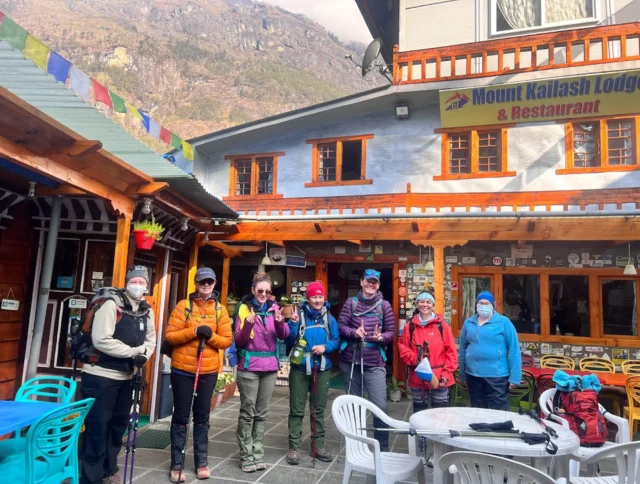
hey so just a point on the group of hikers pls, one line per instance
(488, 360)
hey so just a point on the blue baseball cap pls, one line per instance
(371, 274)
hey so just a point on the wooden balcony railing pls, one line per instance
(562, 202)
(580, 47)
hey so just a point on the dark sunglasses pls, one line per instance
(207, 282)
(263, 291)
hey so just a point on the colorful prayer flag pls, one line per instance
(13, 33)
(187, 150)
(80, 83)
(133, 111)
(118, 103)
(165, 135)
(58, 67)
(101, 93)
(154, 128)
(36, 51)
(176, 141)
(145, 120)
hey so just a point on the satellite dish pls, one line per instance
(370, 55)
(277, 278)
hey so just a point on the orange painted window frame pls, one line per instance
(571, 169)
(475, 154)
(315, 162)
(233, 173)
(596, 317)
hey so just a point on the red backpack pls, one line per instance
(581, 410)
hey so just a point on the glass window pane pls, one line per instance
(98, 270)
(327, 158)
(521, 298)
(471, 286)
(569, 303)
(619, 307)
(586, 145)
(620, 134)
(64, 266)
(265, 176)
(243, 177)
(459, 154)
(566, 11)
(489, 152)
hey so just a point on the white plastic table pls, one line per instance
(459, 418)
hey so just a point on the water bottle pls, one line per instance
(298, 352)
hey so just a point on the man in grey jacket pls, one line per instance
(125, 337)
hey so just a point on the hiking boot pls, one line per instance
(261, 466)
(293, 457)
(203, 473)
(175, 475)
(322, 454)
(112, 479)
(248, 467)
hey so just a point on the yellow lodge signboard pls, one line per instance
(565, 98)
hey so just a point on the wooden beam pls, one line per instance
(181, 207)
(356, 242)
(322, 273)
(122, 250)
(45, 166)
(80, 148)
(318, 228)
(193, 263)
(227, 250)
(438, 278)
(62, 190)
(247, 248)
(151, 188)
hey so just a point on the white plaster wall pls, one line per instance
(404, 151)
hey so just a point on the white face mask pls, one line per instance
(136, 291)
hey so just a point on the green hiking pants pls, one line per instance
(256, 389)
(301, 385)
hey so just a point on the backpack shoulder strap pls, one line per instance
(353, 302)
(189, 310)
(441, 331)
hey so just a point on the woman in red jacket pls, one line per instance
(427, 335)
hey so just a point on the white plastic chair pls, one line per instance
(622, 435)
(478, 468)
(350, 415)
(626, 456)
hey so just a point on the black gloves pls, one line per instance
(204, 331)
(139, 361)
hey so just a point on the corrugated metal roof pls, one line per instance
(23, 78)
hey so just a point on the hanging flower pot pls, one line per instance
(146, 233)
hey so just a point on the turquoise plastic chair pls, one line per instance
(47, 389)
(51, 452)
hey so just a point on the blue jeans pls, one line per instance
(375, 383)
(490, 393)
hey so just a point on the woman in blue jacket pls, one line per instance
(490, 361)
(319, 331)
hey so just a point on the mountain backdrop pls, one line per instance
(197, 66)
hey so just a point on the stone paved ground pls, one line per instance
(152, 466)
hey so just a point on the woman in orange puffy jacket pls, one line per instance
(199, 317)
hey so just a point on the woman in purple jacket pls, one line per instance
(366, 325)
(258, 324)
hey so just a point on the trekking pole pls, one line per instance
(193, 399)
(362, 367)
(138, 394)
(314, 400)
(547, 428)
(132, 427)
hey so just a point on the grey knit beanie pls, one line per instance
(137, 271)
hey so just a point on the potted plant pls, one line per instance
(227, 385)
(146, 233)
(287, 307)
(214, 400)
(232, 302)
(395, 395)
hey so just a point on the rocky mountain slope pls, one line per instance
(197, 65)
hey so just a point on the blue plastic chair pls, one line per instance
(51, 452)
(47, 389)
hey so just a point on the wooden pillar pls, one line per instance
(322, 274)
(122, 250)
(438, 278)
(193, 263)
(224, 283)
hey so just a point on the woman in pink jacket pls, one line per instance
(258, 325)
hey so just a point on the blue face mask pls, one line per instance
(484, 310)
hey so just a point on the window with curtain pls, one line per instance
(513, 15)
(471, 287)
(586, 145)
(253, 175)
